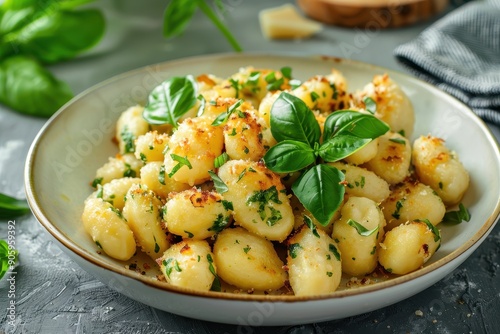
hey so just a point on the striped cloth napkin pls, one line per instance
(460, 54)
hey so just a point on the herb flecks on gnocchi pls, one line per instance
(261, 183)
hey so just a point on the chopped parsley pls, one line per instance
(219, 223)
(434, 229)
(398, 141)
(128, 139)
(228, 206)
(157, 247)
(216, 286)
(181, 161)
(293, 249)
(129, 172)
(399, 205)
(171, 264)
(161, 175)
(334, 251)
(221, 160)
(99, 192)
(314, 96)
(263, 198)
(223, 118)
(97, 180)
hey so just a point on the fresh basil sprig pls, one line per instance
(5, 262)
(11, 207)
(34, 33)
(170, 100)
(179, 13)
(457, 216)
(299, 148)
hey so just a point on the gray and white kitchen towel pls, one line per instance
(460, 54)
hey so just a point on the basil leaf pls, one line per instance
(53, 35)
(309, 222)
(224, 117)
(181, 162)
(363, 231)
(6, 255)
(456, 217)
(221, 160)
(11, 207)
(219, 185)
(177, 16)
(287, 72)
(289, 156)
(29, 88)
(170, 100)
(353, 123)
(319, 190)
(292, 119)
(370, 105)
(434, 229)
(341, 146)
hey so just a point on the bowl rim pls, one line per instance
(39, 214)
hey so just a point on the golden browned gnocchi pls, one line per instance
(212, 213)
(189, 264)
(313, 262)
(142, 213)
(105, 224)
(357, 235)
(129, 127)
(407, 247)
(150, 146)
(393, 158)
(153, 176)
(393, 106)
(243, 137)
(248, 261)
(412, 200)
(259, 199)
(199, 194)
(126, 165)
(440, 168)
(192, 150)
(363, 183)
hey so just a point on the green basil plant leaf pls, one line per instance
(177, 16)
(50, 31)
(28, 87)
(289, 156)
(170, 100)
(341, 146)
(353, 123)
(60, 36)
(11, 207)
(292, 119)
(320, 190)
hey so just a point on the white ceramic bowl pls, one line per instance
(77, 140)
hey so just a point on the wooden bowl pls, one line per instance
(371, 14)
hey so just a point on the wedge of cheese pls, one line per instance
(285, 22)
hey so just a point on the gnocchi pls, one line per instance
(198, 196)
